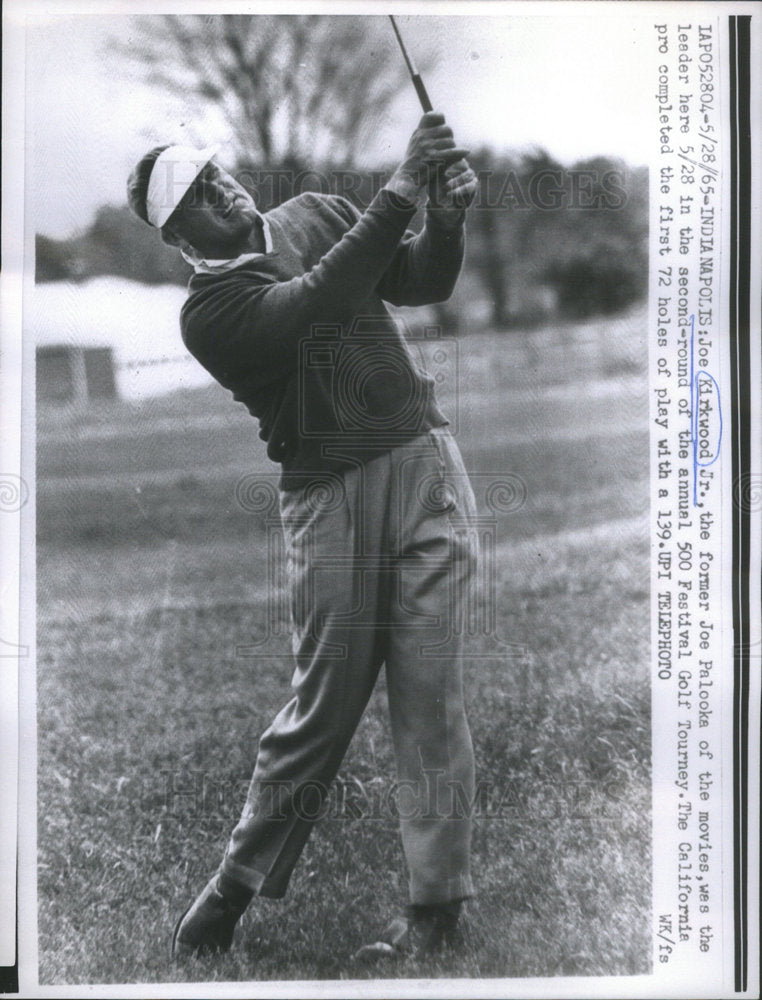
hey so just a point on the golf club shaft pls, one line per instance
(415, 76)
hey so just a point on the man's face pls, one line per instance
(216, 215)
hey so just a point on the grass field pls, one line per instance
(151, 576)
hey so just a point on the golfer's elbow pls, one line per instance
(438, 289)
(428, 298)
(442, 290)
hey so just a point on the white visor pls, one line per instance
(173, 173)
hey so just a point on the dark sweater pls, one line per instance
(301, 336)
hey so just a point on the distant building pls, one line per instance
(108, 338)
(67, 374)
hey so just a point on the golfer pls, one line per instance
(286, 310)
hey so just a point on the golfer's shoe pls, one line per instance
(207, 926)
(422, 932)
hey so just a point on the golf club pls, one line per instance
(415, 76)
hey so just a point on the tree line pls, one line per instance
(542, 237)
(303, 95)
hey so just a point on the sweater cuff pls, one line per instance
(445, 221)
(393, 203)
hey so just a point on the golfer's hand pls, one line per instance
(451, 192)
(431, 150)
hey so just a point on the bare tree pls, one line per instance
(294, 89)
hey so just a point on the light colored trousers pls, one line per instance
(381, 560)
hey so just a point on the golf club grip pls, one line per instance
(423, 97)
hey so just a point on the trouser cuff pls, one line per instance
(251, 879)
(234, 892)
(436, 893)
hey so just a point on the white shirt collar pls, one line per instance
(208, 265)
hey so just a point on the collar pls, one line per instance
(208, 265)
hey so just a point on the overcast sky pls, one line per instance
(573, 84)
